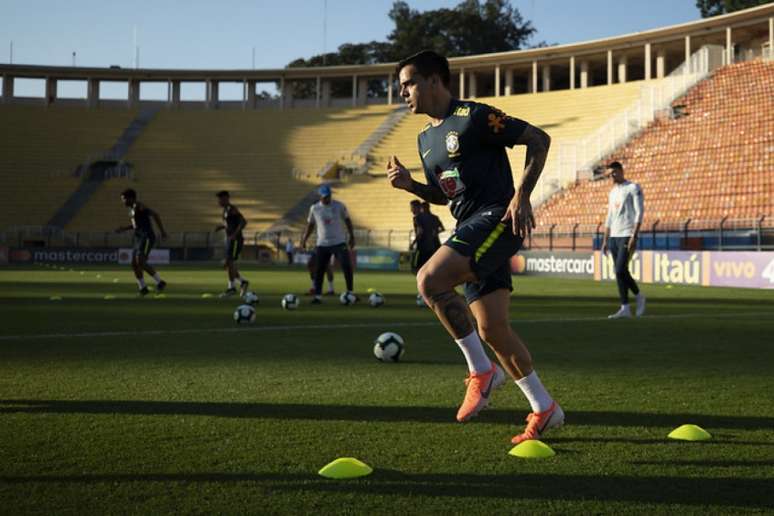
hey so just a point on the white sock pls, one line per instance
(157, 278)
(330, 285)
(230, 283)
(625, 308)
(474, 353)
(141, 283)
(238, 279)
(536, 394)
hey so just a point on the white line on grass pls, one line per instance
(347, 326)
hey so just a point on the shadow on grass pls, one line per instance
(702, 491)
(303, 411)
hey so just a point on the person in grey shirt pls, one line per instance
(625, 209)
(334, 233)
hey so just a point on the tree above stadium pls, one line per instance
(715, 7)
(472, 27)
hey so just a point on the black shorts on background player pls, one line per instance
(143, 243)
(233, 248)
(420, 256)
(489, 244)
(322, 256)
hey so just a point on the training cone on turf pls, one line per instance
(532, 449)
(344, 468)
(206, 295)
(55, 298)
(109, 297)
(689, 433)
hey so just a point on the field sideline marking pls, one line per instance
(345, 326)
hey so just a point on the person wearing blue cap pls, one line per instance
(330, 218)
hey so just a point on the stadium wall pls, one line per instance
(703, 268)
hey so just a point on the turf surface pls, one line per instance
(164, 405)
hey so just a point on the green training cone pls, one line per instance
(344, 468)
(689, 433)
(532, 449)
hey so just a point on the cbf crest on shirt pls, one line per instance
(465, 156)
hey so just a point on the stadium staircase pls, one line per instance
(710, 160)
(100, 169)
(40, 149)
(267, 159)
(297, 214)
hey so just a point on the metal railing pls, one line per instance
(724, 234)
(576, 159)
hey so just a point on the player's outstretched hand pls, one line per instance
(520, 214)
(398, 175)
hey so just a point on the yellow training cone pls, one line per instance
(115, 280)
(109, 296)
(689, 433)
(55, 298)
(206, 295)
(160, 296)
(344, 468)
(532, 449)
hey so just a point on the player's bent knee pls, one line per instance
(428, 282)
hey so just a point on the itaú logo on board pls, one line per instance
(680, 270)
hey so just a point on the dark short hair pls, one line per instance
(428, 63)
(223, 193)
(415, 202)
(426, 204)
(616, 165)
(129, 193)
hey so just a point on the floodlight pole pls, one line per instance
(325, 30)
(11, 53)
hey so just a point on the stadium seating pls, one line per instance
(267, 159)
(565, 115)
(716, 160)
(40, 150)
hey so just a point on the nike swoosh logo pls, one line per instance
(485, 394)
(548, 420)
(458, 241)
(424, 154)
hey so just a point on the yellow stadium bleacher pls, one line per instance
(566, 115)
(40, 149)
(184, 157)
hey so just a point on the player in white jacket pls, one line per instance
(625, 208)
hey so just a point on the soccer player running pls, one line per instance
(625, 208)
(426, 236)
(144, 239)
(330, 218)
(465, 163)
(233, 224)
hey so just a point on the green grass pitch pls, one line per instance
(166, 406)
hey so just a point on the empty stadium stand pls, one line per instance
(41, 149)
(267, 159)
(713, 160)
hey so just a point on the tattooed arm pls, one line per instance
(520, 209)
